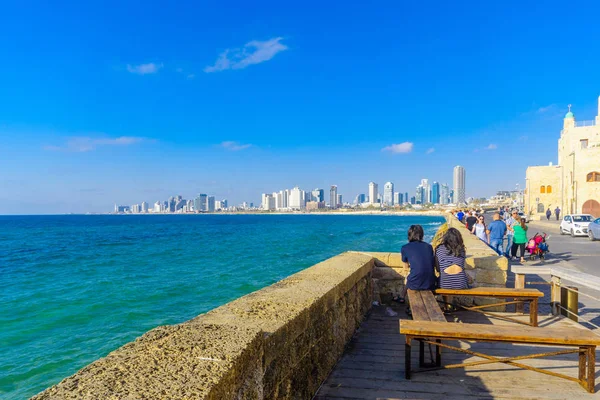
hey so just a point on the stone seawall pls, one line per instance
(279, 342)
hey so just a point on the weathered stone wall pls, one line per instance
(280, 342)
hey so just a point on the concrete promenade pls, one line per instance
(372, 368)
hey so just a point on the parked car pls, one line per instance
(575, 224)
(594, 230)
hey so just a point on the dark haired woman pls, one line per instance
(519, 239)
(450, 258)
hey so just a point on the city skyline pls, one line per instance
(277, 96)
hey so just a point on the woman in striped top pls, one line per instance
(450, 261)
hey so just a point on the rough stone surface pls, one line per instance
(279, 342)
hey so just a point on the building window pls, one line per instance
(593, 177)
(584, 143)
(548, 189)
(542, 189)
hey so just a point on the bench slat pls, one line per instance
(491, 291)
(432, 307)
(525, 334)
(417, 305)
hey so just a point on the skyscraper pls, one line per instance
(318, 195)
(435, 193)
(426, 191)
(420, 195)
(296, 199)
(333, 199)
(444, 194)
(388, 194)
(397, 198)
(373, 189)
(459, 185)
(339, 200)
(200, 203)
(361, 198)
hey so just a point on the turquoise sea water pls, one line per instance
(74, 288)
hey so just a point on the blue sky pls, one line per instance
(106, 102)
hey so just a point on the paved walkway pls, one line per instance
(373, 367)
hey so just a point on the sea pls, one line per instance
(75, 287)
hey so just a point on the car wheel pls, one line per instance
(591, 235)
(572, 233)
(562, 232)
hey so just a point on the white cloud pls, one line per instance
(491, 146)
(143, 69)
(234, 146)
(430, 150)
(191, 76)
(405, 147)
(543, 110)
(254, 52)
(81, 144)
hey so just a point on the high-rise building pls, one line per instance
(397, 197)
(388, 194)
(426, 191)
(459, 185)
(200, 203)
(361, 198)
(296, 199)
(224, 204)
(210, 202)
(157, 207)
(318, 195)
(284, 198)
(339, 200)
(144, 207)
(333, 199)
(420, 195)
(373, 192)
(435, 193)
(444, 194)
(268, 202)
(406, 199)
(413, 200)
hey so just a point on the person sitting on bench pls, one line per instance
(450, 261)
(418, 255)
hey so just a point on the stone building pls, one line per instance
(573, 184)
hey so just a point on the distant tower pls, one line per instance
(569, 121)
(333, 197)
(373, 189)
(388, 193)
(459, 185)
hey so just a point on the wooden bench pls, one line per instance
(424, 307)
(433, 332)
(520, 296)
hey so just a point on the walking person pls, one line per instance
(496, 231)
(479, 229)
(557, 212)
(548, 214)
(520, 239)
(471, 220)
(510, 222)
(450, 261)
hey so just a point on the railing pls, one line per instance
(591, 122)
(563, 298)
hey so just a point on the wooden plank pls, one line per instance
(491, 291)
(432, 307)
(524, 334)
(417, 306)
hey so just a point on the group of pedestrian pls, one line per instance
(556, 213)
(505, 224)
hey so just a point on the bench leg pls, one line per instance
(438, 354)
(582, 365)
(407, 349)
(533, 312)
(591, 369)
(421, 353)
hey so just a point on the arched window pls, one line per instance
(548, 189)
(542, 189)
(593, 177)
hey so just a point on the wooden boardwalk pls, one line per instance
(373, 367)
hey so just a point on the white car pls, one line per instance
(575, 224)
(524, 217)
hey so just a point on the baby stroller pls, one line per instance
(537, 246)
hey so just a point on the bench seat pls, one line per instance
(582, 342)
(519, 295)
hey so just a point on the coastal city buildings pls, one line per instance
(459, 185)
(574, 184)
